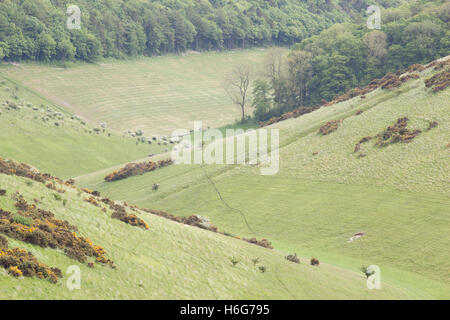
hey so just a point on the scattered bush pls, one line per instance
(11, 168)
(2, 192)
(46, 231)
(234, 261)
(363, 140)
(92, 201)
(439, 81)
(57, 197)
(432, 124)
(52, 186)
(292, 114)
(315, 262)
(3, 242)
(120, 213)
(20, 262)
(255, 261)
(262, 243)
(263, 269)
(329, 127)
(132, 169)
(293, 258)
(397, 133)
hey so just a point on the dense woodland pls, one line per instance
(36, 29)
(349, 55)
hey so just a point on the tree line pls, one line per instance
(350, 55)
(36, 29)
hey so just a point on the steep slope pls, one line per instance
(167, 261)
(37, 131)
(325, 192)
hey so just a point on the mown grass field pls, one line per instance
(66, 147)
(172, 261)
(398, 194)
(157, 95)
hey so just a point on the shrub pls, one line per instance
(234, 261)
(366, 272)
(329, 127)
(57, 197)
(432, 124)
(15, 271)
(3, 243)
(396, 133)
(293, 258)
(20, 262)
(46, 231)
(121, 214)
(263, 269)
(439, 81)
(315, 262)
(255, 261)
(262, 243)
(2, 192)
(132, 169)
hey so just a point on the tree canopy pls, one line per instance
(36, 29)
(349, 55)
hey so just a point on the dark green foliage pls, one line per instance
(36, 30)
(349, 55)
(262, 101)
(17, 218)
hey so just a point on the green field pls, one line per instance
(157, 94)
(323, 194)
(397, 195)
(173, 261)
(67, 149)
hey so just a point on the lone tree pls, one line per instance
(237, 85)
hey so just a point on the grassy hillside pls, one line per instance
(156, 94)
(170, 260)
(36, 131)
(324, 193)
